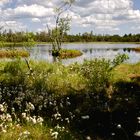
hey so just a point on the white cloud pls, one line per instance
(14, 25)
(103, 14)
(26, 11)
(2, 2)
(36, 20)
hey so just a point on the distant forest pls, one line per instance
(9, 36)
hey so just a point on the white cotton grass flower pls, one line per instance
(4, 131)
(33, 119)
(58, 127)
(88, 138)
(27, 119)
(67, 119)
(30, 106)
(54, 135)
(138, 119)
(57, 116)
(1, 108)
(8, 117)
(40, 120)
(26, 132)
(23, 115)
(86, 117)
(24, 135)
(2, 117)
(137, 134)
(119, 126)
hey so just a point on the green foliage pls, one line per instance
(13, 68)
(62, 31)
(62, 25)
(97, 73)
(119, 59)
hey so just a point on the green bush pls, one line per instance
(97, 73)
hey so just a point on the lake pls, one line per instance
(90, 51)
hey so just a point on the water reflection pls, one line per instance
(90, 51)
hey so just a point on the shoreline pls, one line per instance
(3, 44)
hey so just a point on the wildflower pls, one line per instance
(1, 108)
(4, 131)
(30, 106)
(57, 116)
(85, 117)
(51, 130)
(40, 120)
(33, 119)
(54, 135)
(113, 134)
(137, 134)
(24, 135)
(8, 118)
(119, 126)
(68, 103)
(67, 119)
(88, 138)
(50, 103)
(23, 115)
(27, 119)
(26, 132)
(58, 127)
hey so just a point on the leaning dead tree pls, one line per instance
(62, 26)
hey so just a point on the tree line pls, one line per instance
(10, 36)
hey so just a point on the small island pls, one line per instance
(66, 53)
(13, 53)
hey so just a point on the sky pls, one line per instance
(100, 16)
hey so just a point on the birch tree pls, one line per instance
(62, 26)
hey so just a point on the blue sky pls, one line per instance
(136, 4)
(100, 16)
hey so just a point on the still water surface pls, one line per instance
(90, 51)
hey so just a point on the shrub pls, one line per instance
(97, 73)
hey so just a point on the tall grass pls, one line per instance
(72, 99)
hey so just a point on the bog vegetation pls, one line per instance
(80, 101)
(64, 53)
(13, 53)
